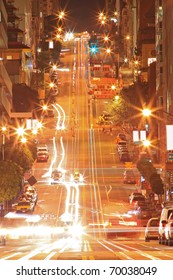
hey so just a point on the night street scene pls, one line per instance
(86, 130)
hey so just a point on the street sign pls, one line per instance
(170, 156)
(32, 180)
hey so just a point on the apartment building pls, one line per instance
(5, 82)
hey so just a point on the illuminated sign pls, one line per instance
(169, 137)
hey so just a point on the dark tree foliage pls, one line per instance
(24, 97)
(156, 184)
(19, 154)
(11, 175)
(149, 172)
(146, 168)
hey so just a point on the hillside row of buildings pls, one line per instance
(144, 35)
(22, 24)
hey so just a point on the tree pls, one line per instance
(11, 175)
(149, 173)
(121, 109)
(146, 168)
(156, 184)
(21, 155)
(43, 60)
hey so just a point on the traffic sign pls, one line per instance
(170, 156)
(32, 180)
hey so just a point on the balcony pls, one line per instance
(5, 90)
(5, 79)
(3, 26)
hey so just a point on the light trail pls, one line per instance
(60, 125)
(63, 154)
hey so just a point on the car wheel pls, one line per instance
(170, 242)
(147, 239)
(162, 241)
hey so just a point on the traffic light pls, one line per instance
(94, 49)
(137, 51)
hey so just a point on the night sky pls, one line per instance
(82, 14)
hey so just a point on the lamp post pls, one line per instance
(4, 130)
(164, 149)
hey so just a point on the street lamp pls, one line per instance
(146, 112)
(146, 143)
(4, 130)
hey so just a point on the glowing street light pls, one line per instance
(61, 15)
(116, 98)
(39, 125)
(146, 112)
(108, 51)
(113, 87)
(146, 143)
(51, 85)
(20, 131)
(23, 140)
(127, 37)
(106, 38)
(4, 130)
(34, 131)
(45, 107)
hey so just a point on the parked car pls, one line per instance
(122, 149)
(139, 203)
(169, 231)
(121, 136)
(42, 148)
(125, 157)
(136, 197)
(164, 218)
(42, 156)
(25, 206)
(129, 177)
(121, 143)
(143, 214)
(31, 190)
(151, 231)
(133, 194)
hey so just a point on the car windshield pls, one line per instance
(57, 173)
(122, 143)
(154, 223)
(138, 198)
(24, 203)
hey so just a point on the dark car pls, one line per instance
(125, 157)
(57, 176)
(122, 136)
(42, 156)
(25, 206)
(129, 177)
(135, 198)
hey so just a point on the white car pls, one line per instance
(42, 148)
(151, 231)
(169, 231)
(164, 218)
